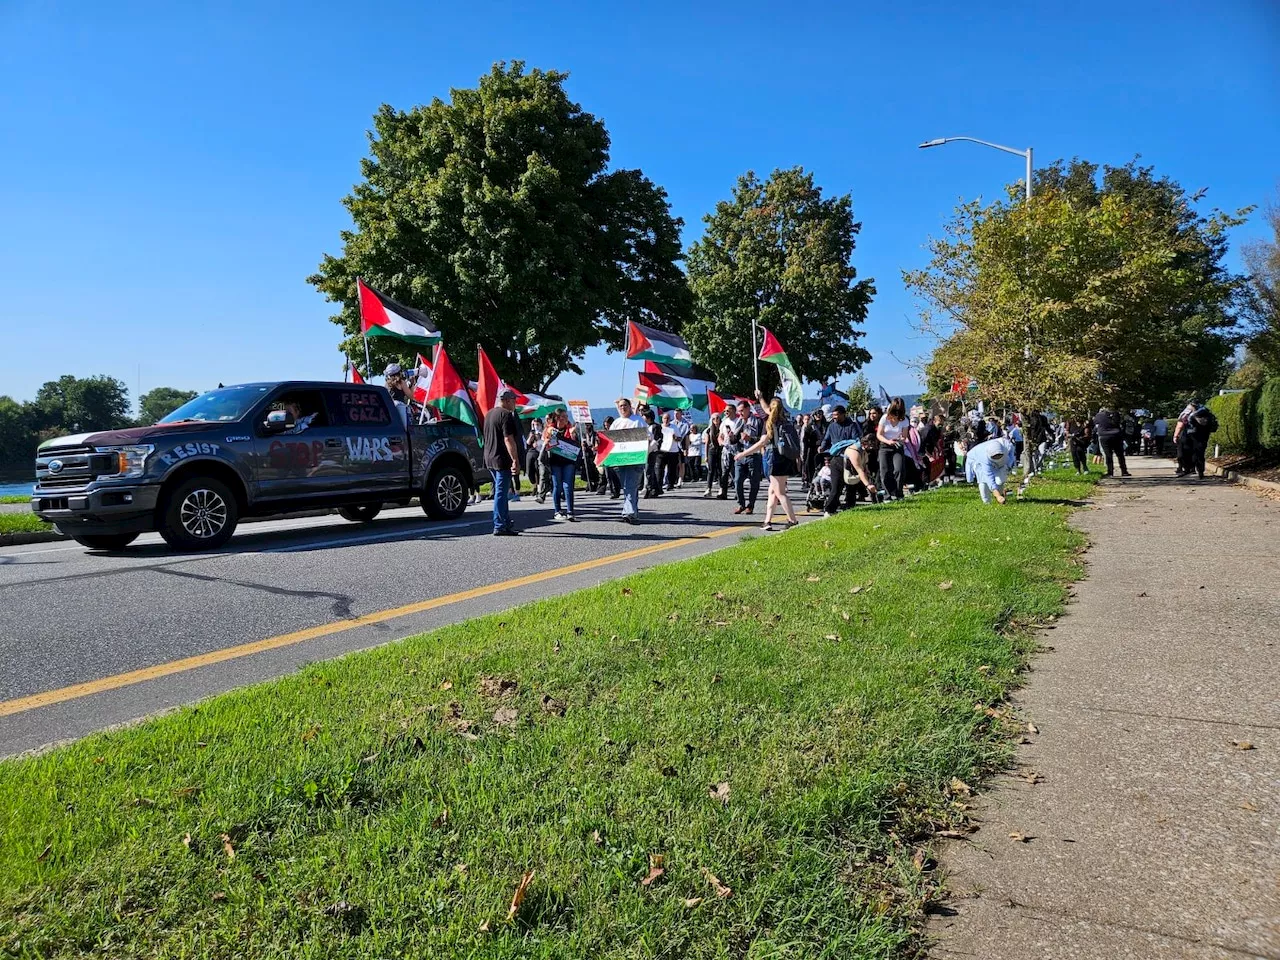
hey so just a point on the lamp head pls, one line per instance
(933, 143)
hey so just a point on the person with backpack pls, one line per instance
(782, 437)
(1191, 437)
(1108, 427)
(891, 432)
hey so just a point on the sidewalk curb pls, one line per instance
(1243, 479)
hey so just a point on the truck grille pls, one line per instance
(77, 466)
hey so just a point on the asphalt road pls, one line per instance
(72, 622)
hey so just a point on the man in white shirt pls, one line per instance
(629, 476)
(1159, 434)
(680, 431)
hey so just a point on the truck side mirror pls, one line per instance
(278, 421)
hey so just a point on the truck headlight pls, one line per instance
(132, 459)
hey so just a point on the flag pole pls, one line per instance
(368, 364)
(755, 355)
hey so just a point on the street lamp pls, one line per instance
(995, 146)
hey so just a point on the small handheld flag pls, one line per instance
(622, 448)
(448, 392)
(771, 352)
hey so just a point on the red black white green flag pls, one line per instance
(648, 343)
(354, 372)
(771, 352)
(666, 393)
(715, 403)
(448, 392)
(696, 381)
(380, 316)
(423, 383)
(622, 448)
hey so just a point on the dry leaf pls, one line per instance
(877, 526)
(310, 735)
(1021, 837)
(517, 898)
(813, 578)
(1031, 777)
(718, 596)
(984, 669)
(186, 840)
(484, 927)
(844, 616)
(506, 716)
(441, 819)
(45, 853)
(1242, 745)
(1249, 805)
(917, 860)
(945, 585)
(855, 589)
(626, 591)
(596, 838)
(1032, 728)
(723, 892)
(460, 868)
(218, 896)
(952, 834)
(692, 902)
(719, 791)
(370, 758)
(935, 543)
(446, 685)
(832, 636)
(655, 870)
(187, 791)
(960, 788)
(201, 744)
(227, 847)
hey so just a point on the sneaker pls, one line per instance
(630, 518)
(571, 518)
(506, 533)
(561, 516)
(679, 483)
(513, 497)
(827, 513)
(707, 494)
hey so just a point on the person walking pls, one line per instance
(532, 453)
(1109, 428)
(628, 476)
(563, 453)
(1159, 434)
(711, 453)
(840, 432)
(1193, 430)
(679, 428)
(891, 435)
(780, 433)
(610, 482)
(502, 458)
(747, 470)
(653, 463)
(1079, 435)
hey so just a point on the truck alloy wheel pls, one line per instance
(203, 513)
(199, 514)
(446, 495)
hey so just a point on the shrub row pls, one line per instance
(1248, 421)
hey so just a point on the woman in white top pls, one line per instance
(891, 434)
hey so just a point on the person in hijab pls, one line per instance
(988, 465)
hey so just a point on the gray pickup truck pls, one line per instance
(255, 449)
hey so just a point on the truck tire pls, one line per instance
(104, 541)
(200, 513)
(360, 513)
(445, 496)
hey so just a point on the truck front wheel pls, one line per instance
(200, 513)
(104, 541)
(445, 497)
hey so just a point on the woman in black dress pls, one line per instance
(781, 434)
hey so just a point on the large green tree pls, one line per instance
(159, 402)
(780, 253)
(81, 404)
(1098, 290)
(495, 213)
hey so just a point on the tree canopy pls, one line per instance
(495, 214)
(1262, 260)
(1095, 291)
(82, 404)
(780, 253)
(159, 402)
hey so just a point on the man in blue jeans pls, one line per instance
(502, 457)
(630, 476)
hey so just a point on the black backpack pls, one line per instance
(1204, 420)
(787, 441)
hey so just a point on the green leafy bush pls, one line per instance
(1237, 431)
(1268, 415)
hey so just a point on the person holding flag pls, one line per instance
(625, 447)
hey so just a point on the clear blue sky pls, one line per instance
(171, 172)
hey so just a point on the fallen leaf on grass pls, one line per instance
(945, 585)
(719, 791)
(596, 838)
(446, 685)
(185, 792)
(218, 896)
(960, 788)
(1021, 837)
(917, 860)
(984, 669)
(655, 870)
(370, 758)
(186, 840)
(877, 526)
(952, 834)
(717, 678)
(506, 716)
(517, 898)
(45, 853)
(935, 543)
(441, 819)
(227, 848)
(855, 589)
(692, 902)
(309, 735)
(723, 892)
(460, 868)
(626, 591)
(201, 744)
(813, 578)
(484, 927)
(832, 636)
(718, 596)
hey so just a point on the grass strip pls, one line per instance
(22, 522)
(15, 498)
(739, 755)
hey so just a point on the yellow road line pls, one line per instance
(91, 687)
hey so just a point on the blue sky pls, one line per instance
(172, 172)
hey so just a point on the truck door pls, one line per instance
(309, 460)
(375, 439)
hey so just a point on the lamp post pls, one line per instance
(995, 146)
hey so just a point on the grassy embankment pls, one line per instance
(781, 722)
(22, 522)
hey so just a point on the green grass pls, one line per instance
(384, 805)
(24, 522)
(15, 498)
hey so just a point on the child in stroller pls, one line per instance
(819, 487)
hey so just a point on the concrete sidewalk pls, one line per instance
(1155, 831)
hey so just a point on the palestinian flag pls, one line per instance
(488, 383)
(531, 405)
(622, 448)
(355, 373)
(448, 392)
(646, 343)
(772, 352)
(380, 316)
(695, 380)
(715, 403)
(423, 383)
(665, 393)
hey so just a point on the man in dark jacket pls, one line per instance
(1108, 427)
(840, 429)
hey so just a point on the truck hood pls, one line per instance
(130, 435)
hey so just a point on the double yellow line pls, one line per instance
(91, 687)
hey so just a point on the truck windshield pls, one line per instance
(220, 406)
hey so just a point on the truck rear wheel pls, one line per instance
(445, 496)
(360, 513)
(200, 513)
(104, 541)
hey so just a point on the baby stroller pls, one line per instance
(819, 488)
